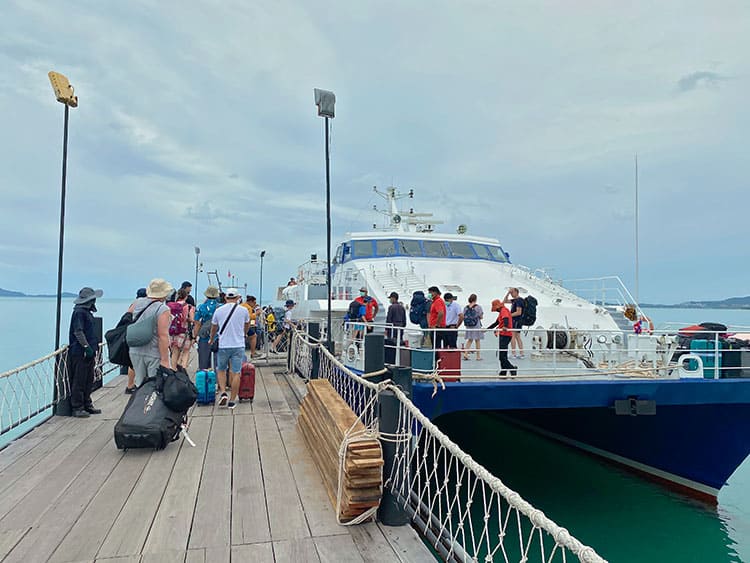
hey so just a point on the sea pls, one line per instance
(623, 516)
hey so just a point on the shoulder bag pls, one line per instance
(141, 333)
(215, 345)
(117, 345)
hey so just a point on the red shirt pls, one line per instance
(437, 306)
(501, 330)
(369, 304)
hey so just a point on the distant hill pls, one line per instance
(730, 303)
(9, 293)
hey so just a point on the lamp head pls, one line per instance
(64, 92)
(325, 100)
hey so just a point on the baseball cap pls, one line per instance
(448, 295)
(231, 292)
(393, 294)
(289, 303)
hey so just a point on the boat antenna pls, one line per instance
(637, 296)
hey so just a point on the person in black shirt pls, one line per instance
(83, 345)
(396, 317)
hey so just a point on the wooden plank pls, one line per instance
(273, 390)
(261, 405)
(90, 530)
(320, 514)
(302, 549)
(171, 528)
(208, 555)
(407, 545)
(54, 524)
(129, 532)
(211, 522)
(173, 556)
(10, 538)
(256, 552)
(49, 485)
(249, 515)
(126, 559)
(372, 544)
(16, 449)
(285, 514)
(337, 548)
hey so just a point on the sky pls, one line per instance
(196, 126)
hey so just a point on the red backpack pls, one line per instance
(179, 324)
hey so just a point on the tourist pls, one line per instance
(454, 316)
(287, 327)
(355, 316)
(152, 309)
(371, 306)
(473, 315)
(436, 318)
(255, 315)
(229, 324)
(82, 349)
(291, 282)
(516, 313)
(180, 329)
(202, 327)
(128, 370)
(395, 317)
(504, 334)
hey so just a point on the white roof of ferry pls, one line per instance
(388, 234)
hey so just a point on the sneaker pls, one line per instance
(80, 413)
(231, 404)
(92, 410)
(129, 390)
(521, 357)
(223, 399)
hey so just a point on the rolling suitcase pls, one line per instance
(247, 382)
(449, 365)
(146, 421)
(205, 381)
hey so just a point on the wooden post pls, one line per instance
(391, 512)
(374, 355)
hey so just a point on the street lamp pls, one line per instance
(326, 101)
(197, 254)
(260, 294)
(64, 94)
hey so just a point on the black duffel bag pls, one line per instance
(146, 421)
(179, 392)
(118, 350)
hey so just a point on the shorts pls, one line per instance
(517, 322)
(252, 331)
(231, 358)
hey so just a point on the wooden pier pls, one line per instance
(249, 492)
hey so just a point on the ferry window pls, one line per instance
(385, 248)
(362, 248)
(409, 248)
(339, 255)
(498, 254)
(434, 249)
(461, 249)
(482, 251)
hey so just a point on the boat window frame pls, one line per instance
(441, 243)
(394, 248)
(363, 243)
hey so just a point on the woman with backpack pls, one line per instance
(473, 315)
(180, 333)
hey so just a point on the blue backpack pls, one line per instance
(471, 316)
(418, 309)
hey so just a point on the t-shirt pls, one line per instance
(437, 306)
(234, 332)
(203, 314)
(251, 311)
(149, 311)
(288, 319)
(452, 312)
(516, 304)
(502, 315)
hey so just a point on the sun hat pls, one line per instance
(231, 292)
(87, 294)
(212, 292)
(159, 288)
(289, 303)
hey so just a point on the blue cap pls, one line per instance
(289, 303)
(141, 292)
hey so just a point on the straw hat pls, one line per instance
(159, 289)
(212, 292)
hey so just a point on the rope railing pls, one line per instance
(466, 513)
(33, 389)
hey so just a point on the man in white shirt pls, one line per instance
(454, 316)
(230, 324)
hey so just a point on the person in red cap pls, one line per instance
(504, 333)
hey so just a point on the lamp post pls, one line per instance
(326, 101)
(260, 294)
(197, 254)
(65, 94)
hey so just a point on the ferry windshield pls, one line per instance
(383, 248)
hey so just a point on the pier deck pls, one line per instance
(248, 492)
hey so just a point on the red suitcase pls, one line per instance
(449, 366)
(247, 382)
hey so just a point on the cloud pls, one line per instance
(700, 79)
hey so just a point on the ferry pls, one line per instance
(589, 376)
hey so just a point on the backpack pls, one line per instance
(418, 308)
(471, 316)
(528, 317)
(352, 314)
(179, 324)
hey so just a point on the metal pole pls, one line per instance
(260, 294)
(637, 296)
(328, 239)
(196, 276)
(60, 409)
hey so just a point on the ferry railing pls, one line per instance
(607, 290)
(572, 353)
(465, 512)
(29, 393)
